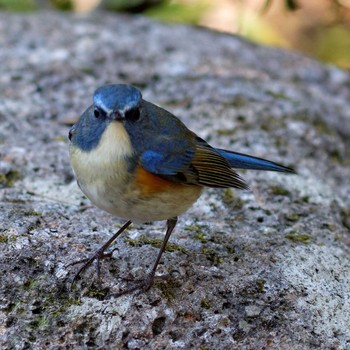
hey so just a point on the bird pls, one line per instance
(139, 162)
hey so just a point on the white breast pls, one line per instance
(102, 173)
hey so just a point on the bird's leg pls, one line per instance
(171, 223)
(146, 283)
(99, 254)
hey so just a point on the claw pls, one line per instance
(98, 255)
(141, 285)
(145, 284)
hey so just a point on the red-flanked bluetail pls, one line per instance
(139, 162)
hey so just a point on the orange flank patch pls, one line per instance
(150, 183)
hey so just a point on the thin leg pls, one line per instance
(100, 252)
(145, 284)
(171, 223)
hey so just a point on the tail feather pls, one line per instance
(244, 161)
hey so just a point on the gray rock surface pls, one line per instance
(268, 268)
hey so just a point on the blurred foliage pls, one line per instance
(63, 5)
(334, 45)
(290, 5)
(179, 12)
(317, 27)
(130, 5)
(162, 10)
(18, 5)
(31, 5)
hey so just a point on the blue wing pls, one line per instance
(164, 144)
(172, 151)
(163, 160)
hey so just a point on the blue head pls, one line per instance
(117, 102)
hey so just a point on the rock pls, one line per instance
(249, 270)
(252, 310)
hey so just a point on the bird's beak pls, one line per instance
(115, 115)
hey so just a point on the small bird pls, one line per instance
(139, 162)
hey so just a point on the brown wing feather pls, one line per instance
(213, 170)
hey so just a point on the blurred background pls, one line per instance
(319, 28)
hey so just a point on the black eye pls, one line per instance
(71, 132)
(97, 113)
(132, 114)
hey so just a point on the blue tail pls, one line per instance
(244, 161)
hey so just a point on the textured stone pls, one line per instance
(267, 268)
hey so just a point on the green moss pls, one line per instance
(121, 225)
(31, 213)
(267, 212)
(322, 127)
(34, 225)
(279, 191)
(345, 217)
(14, 307)
(231, 250)
(336, 156)
(14, 200)
(8, 179)
(226, 132)
(205, 303)
(302, 116)
(194, 228)
(270, 123)
(241, 118)
(154, 242)
(7, 239)
(299, 237)
(329, 226)
(201, 237)
(279, 142)
(87, 70)
(278, 95)
(293, 217)
(305, 199)
(260, 285)
(96, 293)
(269, 232)
(212, 256)
(236, 101)
(167, 287)
(40, 323)
(253, 289)
(230, 200)
(65, 304)
(3, 239)
(228, 196)
(30, 284)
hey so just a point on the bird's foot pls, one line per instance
(140, 285)
(98, 256)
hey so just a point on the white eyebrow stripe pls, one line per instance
(107, 110)
(99, 103)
